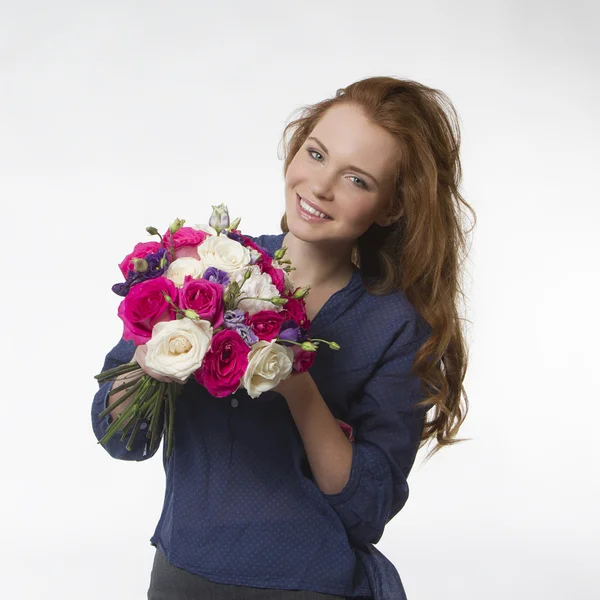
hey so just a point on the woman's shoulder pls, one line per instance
(395, 314)
(268, 241)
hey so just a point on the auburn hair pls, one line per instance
(422, 251)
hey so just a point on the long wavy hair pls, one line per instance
(422, 252)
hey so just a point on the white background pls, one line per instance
(119, 115)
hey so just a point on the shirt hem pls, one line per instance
(237, 579)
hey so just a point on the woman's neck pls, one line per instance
(316, 264)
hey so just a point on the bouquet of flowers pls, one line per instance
(211, 304)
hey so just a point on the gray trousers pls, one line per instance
(168, 582)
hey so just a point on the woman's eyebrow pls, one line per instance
(354, 168)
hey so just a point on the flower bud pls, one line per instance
(219, 218)
(279, 253)
(278, 301)
(224, 218)
(301, 292)
(152, 230)
(191, 314)
(309, 346)
(167, 297)
(334, 346)
(236, 223)
(176, 225)
(140, 265)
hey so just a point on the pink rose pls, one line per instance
(277, 276)
(186, 240)
(205, 297)
(140, 251)
(224, 364)
(303, 359)
(246, 241)
(266, 324)
(145, 306)
(295, 309)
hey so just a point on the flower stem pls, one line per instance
(171, 402)
(116, 371)
(134, 387)
(116, 425)
(238, 299)
(145, 391)
(124, 385)
(154, 421)
(127, 416)
(133, 433)
(166, 414)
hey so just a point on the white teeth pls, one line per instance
(311, 210)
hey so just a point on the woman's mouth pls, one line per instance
(308, 213)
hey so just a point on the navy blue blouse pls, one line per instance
(241, 505)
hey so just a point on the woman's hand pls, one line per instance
(140, 358)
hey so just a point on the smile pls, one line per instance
(309, 212)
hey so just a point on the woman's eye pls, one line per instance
(362, 183)
(314, 151)
(311, 151)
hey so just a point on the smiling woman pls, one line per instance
(271, 497)
(328, 180)
(400, 223)
(382, 158)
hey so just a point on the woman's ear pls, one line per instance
(387, 220)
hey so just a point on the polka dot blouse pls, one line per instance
(241, 505)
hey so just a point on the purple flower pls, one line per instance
(122, 289)
(153, 260)
(247, 334)
(234, 236)
(290, 333)
(290, 330)
(154, 270)
(234, 318)
(215, 275)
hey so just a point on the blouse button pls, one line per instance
(234, 402)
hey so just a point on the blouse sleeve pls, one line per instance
(122, 353)
(260, 241)
(387, 431)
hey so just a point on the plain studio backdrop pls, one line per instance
(119, 115)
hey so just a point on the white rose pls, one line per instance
(223, 253)
(177, 348)
(204, 227)
(259, 285)
(179, 268)
(268, 364)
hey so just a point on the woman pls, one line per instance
(284, 496)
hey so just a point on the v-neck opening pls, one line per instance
(330, 301)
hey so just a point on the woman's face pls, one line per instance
(346, 169)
